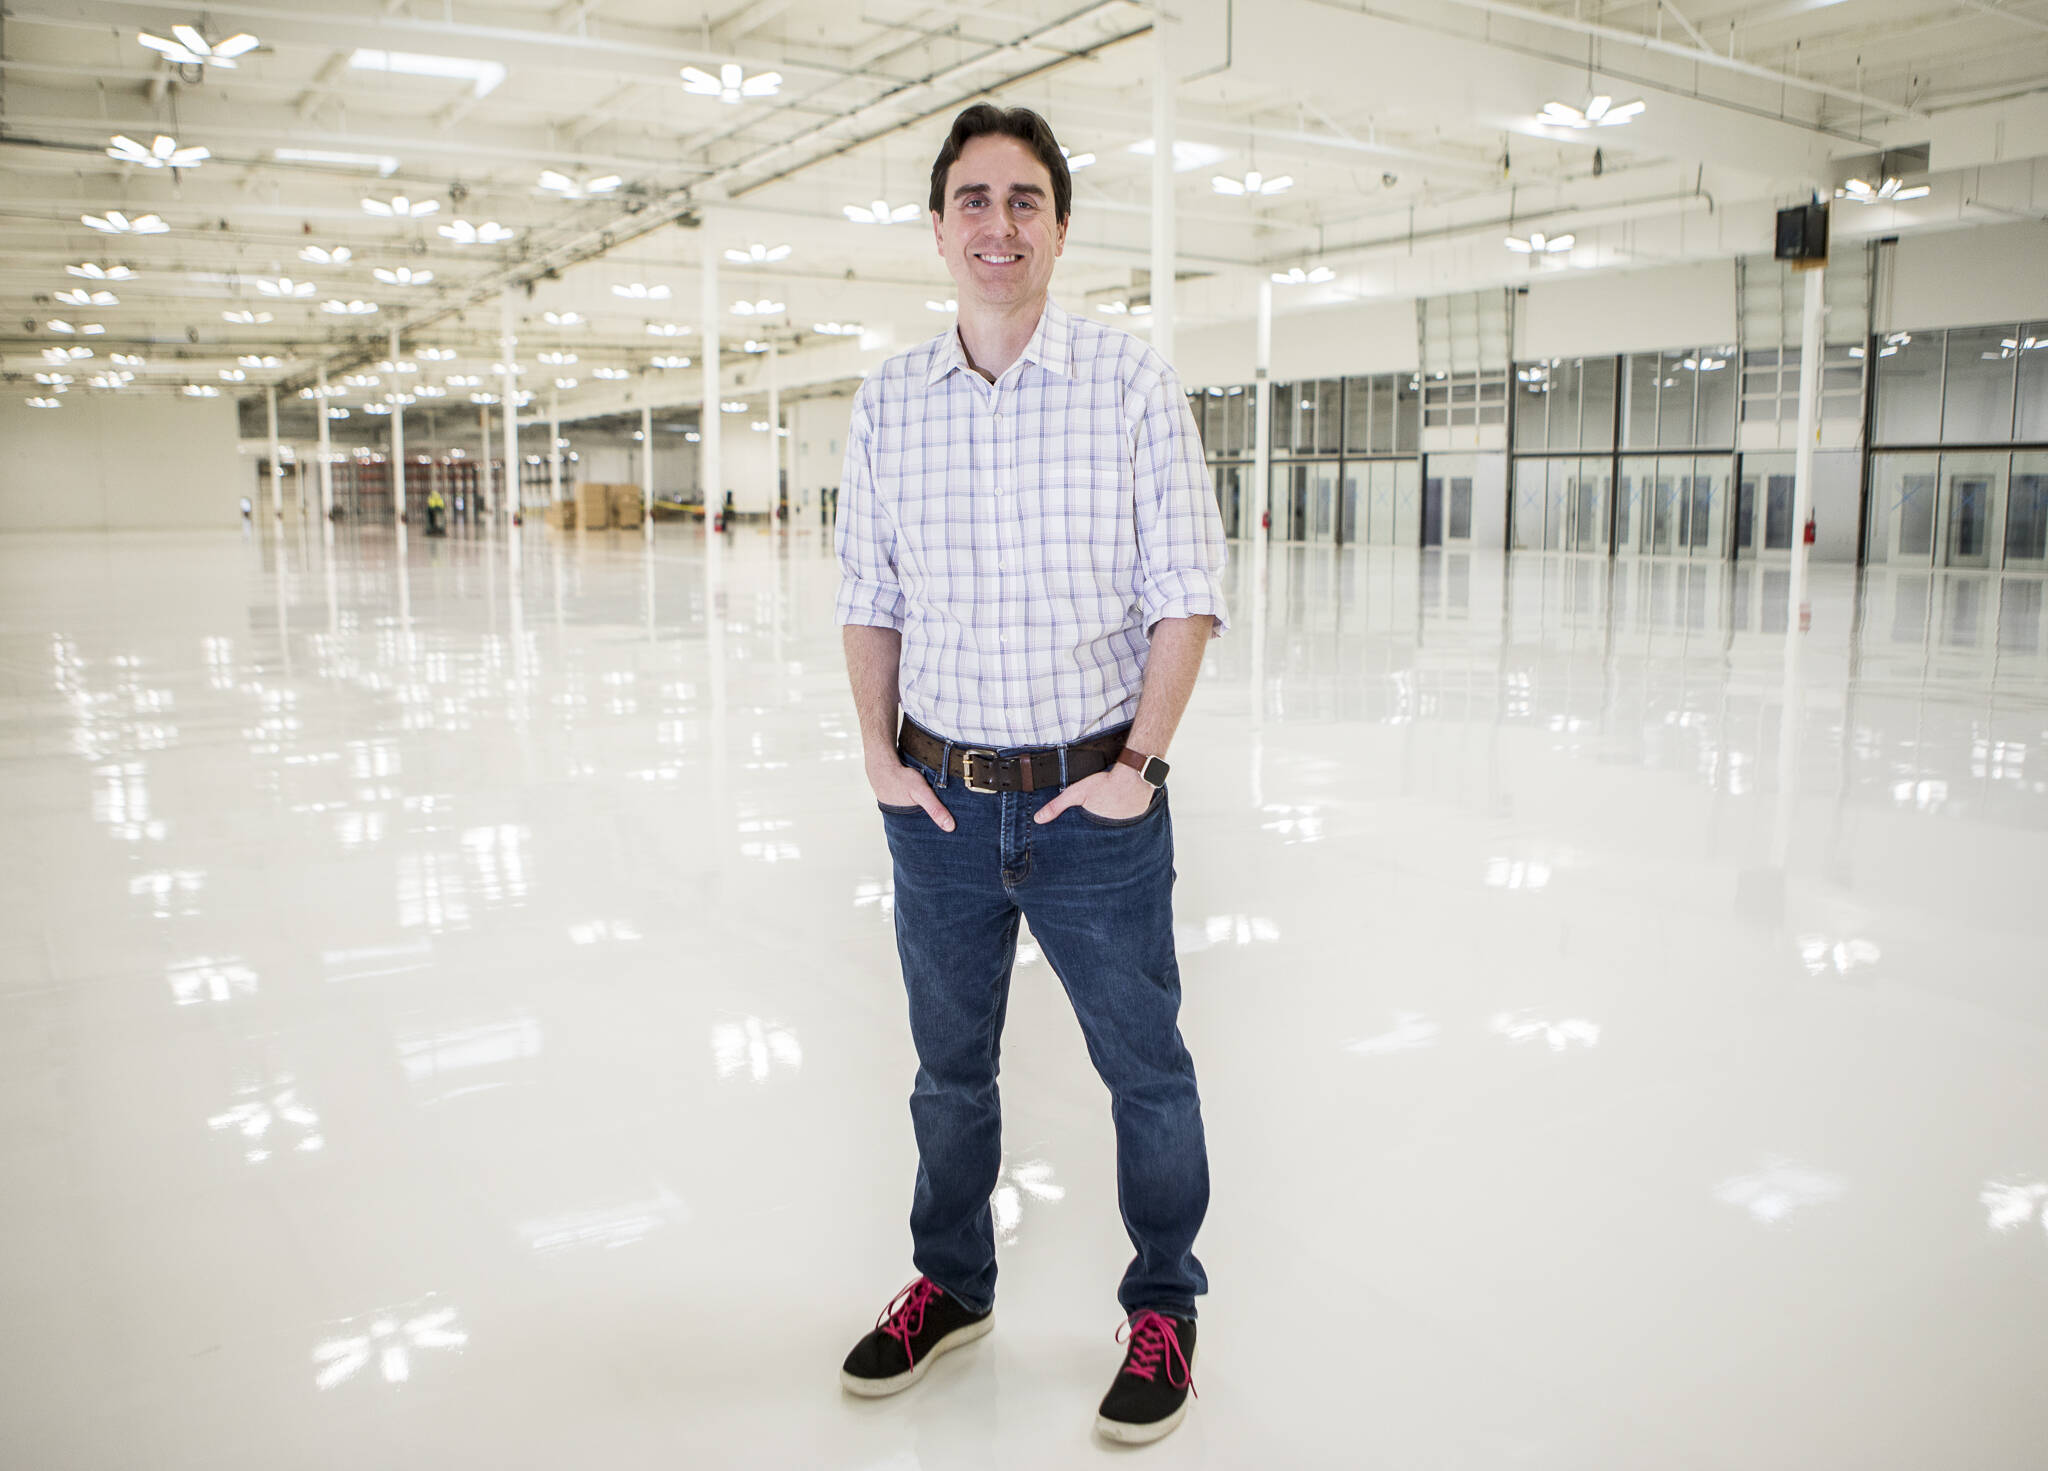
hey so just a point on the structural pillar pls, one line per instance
(507, 344)
(1810, 349)
(397, 431)
(647, 464)
(1262, 422)
(708, 459)
(554, 447)
(774, 435)
(326, 458)
(276, 469)
(483, 469)
(1164, 245)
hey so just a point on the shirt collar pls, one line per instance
(1051, 346)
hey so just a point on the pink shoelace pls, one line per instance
(1153, 1344)
(903, 1319)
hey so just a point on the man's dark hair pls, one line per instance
(1021, 123)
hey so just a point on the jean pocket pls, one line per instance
(912, 810)
(1152, 810)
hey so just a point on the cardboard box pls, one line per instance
(593, 505)
(628, 505)
(562, 515)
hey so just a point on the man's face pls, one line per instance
(997, 234)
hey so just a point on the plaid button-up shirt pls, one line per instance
(1025, 535)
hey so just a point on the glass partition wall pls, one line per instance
(1345, 467)
(1959, 465)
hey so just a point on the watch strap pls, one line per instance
(1151, 768)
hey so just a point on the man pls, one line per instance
(1030, 555)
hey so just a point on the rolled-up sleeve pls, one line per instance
(869, 592)
(1181, 551)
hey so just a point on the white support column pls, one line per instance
(554, 447)
(712, 469)
(276, 469)
(483, 469)
(326, 454)
(646, 463)
(1810, 349)
(774, 433)
(508, 344)
(1164, 246)
(397, 432)
(1262, 410)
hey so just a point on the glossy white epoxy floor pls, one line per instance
(449, 1015)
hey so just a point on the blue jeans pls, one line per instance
(1099, 895)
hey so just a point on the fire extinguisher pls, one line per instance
(1265, 520)
(1809, 531)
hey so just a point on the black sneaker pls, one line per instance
(920, 1323)
(1147, 1400)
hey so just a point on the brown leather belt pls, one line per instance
(1028, 770)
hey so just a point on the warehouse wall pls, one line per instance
(1966, 278)
(120, 461)
(1628, 311)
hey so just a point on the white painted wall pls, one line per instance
(1966, 278)
(114, 462)
(817, 449)
(1628, 311)
(1331, 340)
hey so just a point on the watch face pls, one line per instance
(1155, 771)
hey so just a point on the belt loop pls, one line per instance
(1063, 765)
(945, 765)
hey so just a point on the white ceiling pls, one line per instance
(1409, 127)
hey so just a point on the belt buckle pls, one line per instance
(967, 759)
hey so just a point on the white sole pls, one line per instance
(1124, 1433)
(881, 1388)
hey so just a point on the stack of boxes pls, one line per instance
(593, 505)
(598, 505)
(629, 506)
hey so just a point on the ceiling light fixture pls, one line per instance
(1077, 161)
(88, 271)
(758, 255)
(731, 84)
(84, 329)
(1252, 185)
(428, 390)
(201, 390)
(65, 354)
(233, 375)
(246, 318)
(113, 222)
(610, 373)
(483, 76)
(565, 383)
(193, 49)
(82, 297)
(1296, 276)
(1599, 112)
(562, 319)
(124, 359)
(498, 369)
(401, 208)
(838, 329)
(483, 398)
(462, 232)
(339, 256)
(556, 359)
(42, 403)
(164, 153)
(464, 380)
(569, 188)
(1187, 155)
(881, 212)
(53, 380)
(403, 276)
(762, 308)
(285, 286)
(1540, 244)
(640, 291)
(950, 304)
(669, 362)
(398, 365)
(352, 308)
(436, 354)
(259, 360)
(751, 345)
(383, 163)
(665, 329)
(111, 380)
(733, 406)
(1859, 191)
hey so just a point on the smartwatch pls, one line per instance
(1150, 767)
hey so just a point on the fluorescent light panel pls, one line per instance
(483, 76)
